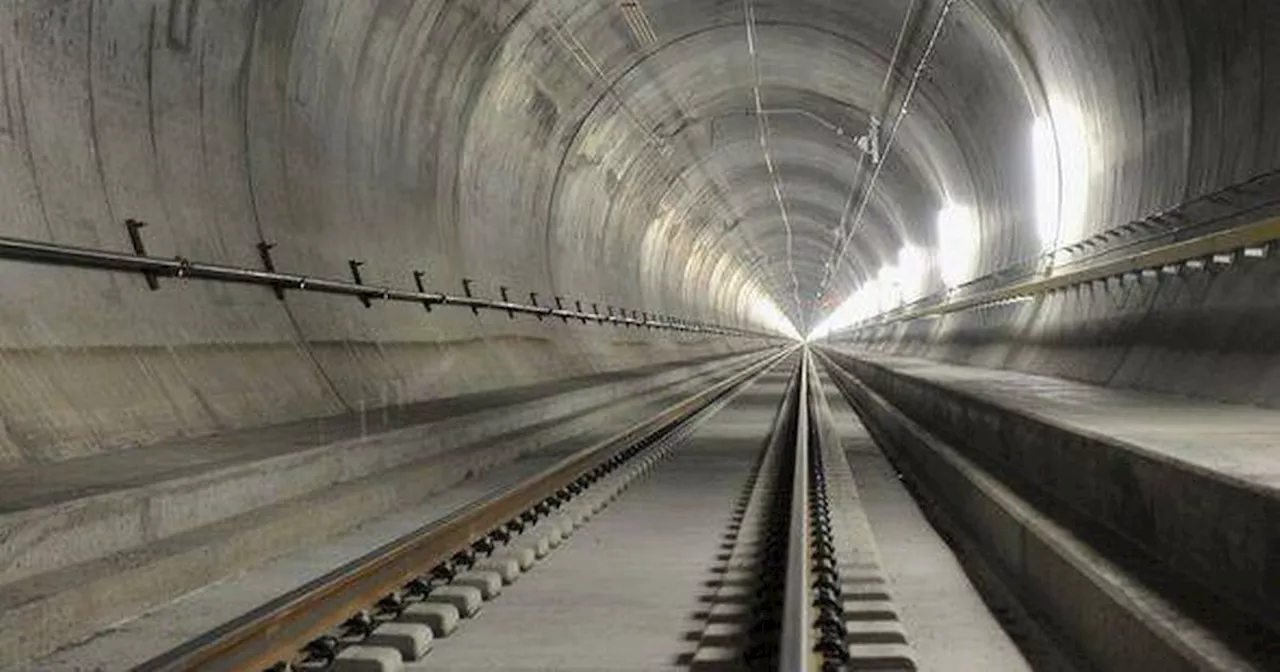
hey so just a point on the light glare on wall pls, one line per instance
(1060, 150)
(912, 273)
(893, 285)
(767, 313)
(958, 244)
(888, 288)
(1045, 152)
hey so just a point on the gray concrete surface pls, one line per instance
(74, 596)
(133, 641)
(627, 590)
(541, 146)
(568, 147)
(1193, 485)
(58, 514)
(226, 124)
(1207, 335)
(633, 588)
(1112, 617)
(1232, 441)
(948, 625)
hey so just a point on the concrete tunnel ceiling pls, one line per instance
(957, 88)
(672, 116)
(571, 137)
(661, 150)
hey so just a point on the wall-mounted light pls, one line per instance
(1047, 181)
(888, 288)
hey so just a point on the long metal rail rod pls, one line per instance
(796, 650)
(1215, 248)
(1150, 225)
(40, 252)
(278, 630)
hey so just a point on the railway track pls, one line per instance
(800, 587)
(796, 577)
(390, 604)
(803, 561)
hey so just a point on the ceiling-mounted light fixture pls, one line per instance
(638, 23)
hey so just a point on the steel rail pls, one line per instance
(281, 628)
(1202, 248)
(34, 251)
(796, 645)
(829, 628)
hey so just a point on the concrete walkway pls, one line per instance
(1237, 442)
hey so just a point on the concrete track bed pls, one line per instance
(70, 565)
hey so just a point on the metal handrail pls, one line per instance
(1159, 259)
(34, 251)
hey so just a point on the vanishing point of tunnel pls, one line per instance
(629, 335)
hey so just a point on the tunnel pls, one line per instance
(639, 335)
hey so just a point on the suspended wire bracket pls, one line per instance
(533, 301)
(502, 289)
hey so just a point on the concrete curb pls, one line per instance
(1226, 536)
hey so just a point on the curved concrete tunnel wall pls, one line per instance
(407, 135)
(536, 145)
(1175, 104)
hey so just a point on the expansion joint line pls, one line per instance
(762, 124)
